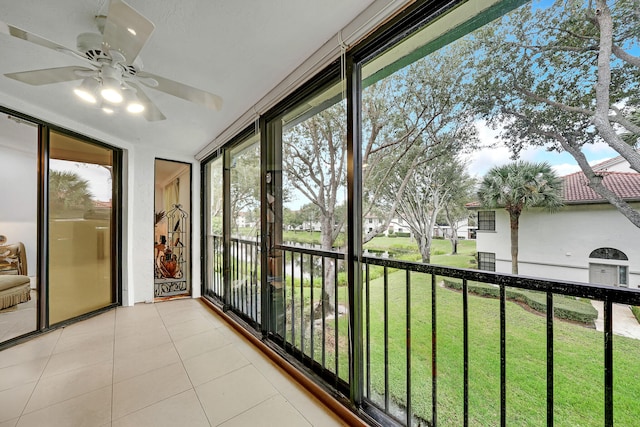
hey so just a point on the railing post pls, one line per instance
(550, 359)
(608, 362)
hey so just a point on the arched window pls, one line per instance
(608, 253)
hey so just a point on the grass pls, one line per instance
(578, 352)
(578, 357)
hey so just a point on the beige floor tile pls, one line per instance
(13, 401)
(147, 389)
(9, 423)
(129, 365)
(233, 394)
(275, 411)
(22, 373)
(91, 409)
(79, 357)
(37, 348)
(133, 343)
(140, 314)
(72, 341)
(214, 364)
(177, 305)
(99, 324)
(70, 384)
(312, 409)
(195, 326)
(204, 342)
(183, 409)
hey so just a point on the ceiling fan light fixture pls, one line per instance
(135, 107)
(111, 90)
(87, 90)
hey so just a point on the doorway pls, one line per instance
(172, 230)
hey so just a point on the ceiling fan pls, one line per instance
(113, 75)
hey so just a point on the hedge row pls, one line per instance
(567, 308)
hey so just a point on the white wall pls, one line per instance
(558, 245)
(19, 187)
(138, 203)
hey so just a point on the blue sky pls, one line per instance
(563, 163)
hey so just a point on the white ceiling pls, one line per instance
(237, 49)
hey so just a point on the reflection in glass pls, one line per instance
(213, 218)
(18, 227)
(80, 227)
(309, 299)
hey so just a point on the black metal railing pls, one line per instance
(422, 285)
(434, 355)
(214, 282)
(243, 293)
(310, 310)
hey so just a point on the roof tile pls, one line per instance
(625, 185)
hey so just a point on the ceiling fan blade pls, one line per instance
(50, 75)
(183, 91)
(33, 38)
(151, 112)
(126, 30)
(40, 41)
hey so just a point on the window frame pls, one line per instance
(483, 264)
(487, 224)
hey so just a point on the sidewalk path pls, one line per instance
(624, 322)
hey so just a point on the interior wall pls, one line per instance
(18, 196)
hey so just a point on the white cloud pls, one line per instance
(565, 168)
(497, 154)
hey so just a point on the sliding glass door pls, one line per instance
(19, 293)
(81, 219)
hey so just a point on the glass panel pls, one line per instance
(244, 210)
(213, 219)
(523, 110)
(310, 293)
(18, 227)
(80, 227)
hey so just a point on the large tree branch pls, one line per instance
(625, 56)
(601, 117)
(595, 181)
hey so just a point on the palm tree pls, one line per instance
(516, 187)
(68, 192)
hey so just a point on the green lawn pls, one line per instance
(578, 353)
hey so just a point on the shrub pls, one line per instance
(402, 234)
(567, 308)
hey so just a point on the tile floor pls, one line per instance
(173, 363)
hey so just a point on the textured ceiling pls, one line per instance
(237, 49)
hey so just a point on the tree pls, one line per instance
(245, 184)
(564, 76)
(519, 186)
(68, 193)
(454, 210)
(430, 186)
(413, 116)
(314, 161)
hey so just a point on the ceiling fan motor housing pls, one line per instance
(91, 45)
